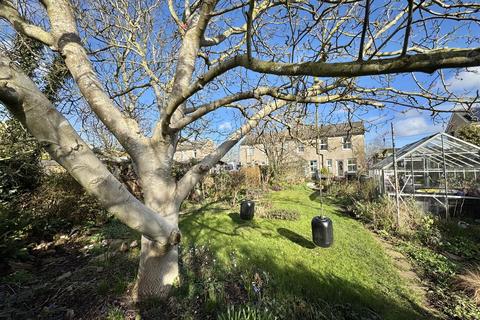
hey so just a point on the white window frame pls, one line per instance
(330, 165)
(323, 144)
(250, 151)
(313, 166)
(350, 164)
(346, 143)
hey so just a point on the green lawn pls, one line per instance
(354, 271)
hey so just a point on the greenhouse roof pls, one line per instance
(458, 153)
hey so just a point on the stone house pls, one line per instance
(193, 150)
(341, 148)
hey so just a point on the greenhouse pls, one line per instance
(441, 171)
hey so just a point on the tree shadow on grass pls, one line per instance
(293, 291)
(237, 220)
(296, 238)
(314, 196)
(209, 206)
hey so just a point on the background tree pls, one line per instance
(470, 133)
(151, 72)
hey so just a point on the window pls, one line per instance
(352, 165)
(250, 151)
(324, 144)
(301, 148)
(313, 166)
(330, 165)
(347, 142)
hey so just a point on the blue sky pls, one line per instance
(410, 124)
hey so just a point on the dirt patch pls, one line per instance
(407, 272)
(64, 282)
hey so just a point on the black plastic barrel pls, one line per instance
(322, 231)
(247, 209)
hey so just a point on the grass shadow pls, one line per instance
(235, 216)
(315, 196)
(296, 238)
(210, 206)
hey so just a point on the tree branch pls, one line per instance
(8, 12)
(68, 42)
(250, 18)
(428, 62)
(408, 28)
(27, 103)
(213, 41)
(194, 175)
(366, 23)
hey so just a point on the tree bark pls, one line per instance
(157, 270)
(158, 266)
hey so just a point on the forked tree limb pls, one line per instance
(10, 13)
(426, 62)
(68, 43)
(30, 106)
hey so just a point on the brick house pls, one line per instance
(341, 148)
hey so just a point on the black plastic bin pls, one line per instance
(322, 231)
(247, 208)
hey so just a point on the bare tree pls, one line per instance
(150, 71)
(273, 141)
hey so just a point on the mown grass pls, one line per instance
(354, 271)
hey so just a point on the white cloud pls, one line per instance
(465, 80)
(227, 125)
(412, 126)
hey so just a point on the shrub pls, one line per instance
(470, 282)
(279, 214)
(253, 176)
(58, 204)
(381, 214)
(20, 169)
(350, 191)
(470, 133)
(227, 186)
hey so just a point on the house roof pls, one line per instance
(473, 115)
(309, 132)
(458, 153)
(193, 145)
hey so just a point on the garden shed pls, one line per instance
(441, 171)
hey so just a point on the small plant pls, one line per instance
(246, 313)
(280, 214)
(115, 314)
(470, 282)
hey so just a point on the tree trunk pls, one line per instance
(158, 266)
(157, 271)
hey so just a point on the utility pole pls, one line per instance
(395, 173)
